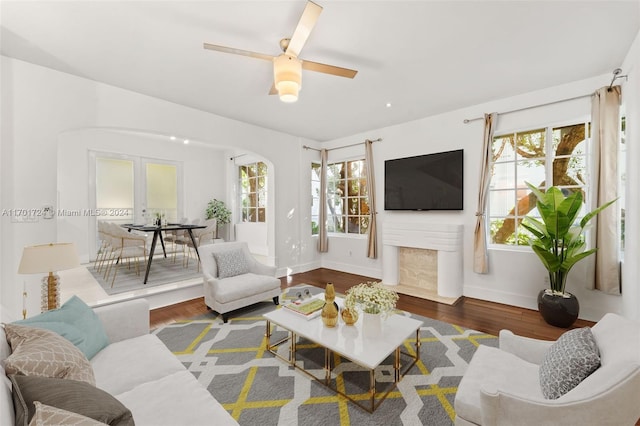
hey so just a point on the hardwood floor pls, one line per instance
(480, 315)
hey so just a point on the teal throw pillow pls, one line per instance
(76, 322)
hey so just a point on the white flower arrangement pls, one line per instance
(372, 297)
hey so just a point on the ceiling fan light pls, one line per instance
(287, 71)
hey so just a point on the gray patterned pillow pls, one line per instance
(568, 361)
(231, 263)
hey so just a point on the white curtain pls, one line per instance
(605, 134)
(323, 240)
(372, 241)
(480, 256)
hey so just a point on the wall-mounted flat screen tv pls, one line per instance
(424, 182)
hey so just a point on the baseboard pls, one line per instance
(353, 269)
(482, 293)
(283, 272)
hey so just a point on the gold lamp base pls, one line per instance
(50, 294)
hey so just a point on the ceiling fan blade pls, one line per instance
(305, 25)
(328, 69)
(273, 90)
(238, 51)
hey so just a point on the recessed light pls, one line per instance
(186, 141)
(173, 138)
(388, 105)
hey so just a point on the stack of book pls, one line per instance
(309, 308)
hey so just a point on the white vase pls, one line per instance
(371, 324)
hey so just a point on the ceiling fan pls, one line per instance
(287, 67)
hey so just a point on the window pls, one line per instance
(253, 192)
(347, 201)
(543, 157)
(622, 170)
(315, 198)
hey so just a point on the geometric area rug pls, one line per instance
(232, 362)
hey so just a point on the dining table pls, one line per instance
(157, 235)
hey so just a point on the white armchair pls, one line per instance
(233, 278)
(502, 387)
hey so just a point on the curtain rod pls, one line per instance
(340, 147)
(469, 120)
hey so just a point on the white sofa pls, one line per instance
(502, 386)
(250, 281)
(138, 370)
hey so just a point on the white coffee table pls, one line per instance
(349, 342)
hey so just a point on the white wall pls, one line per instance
(39, 105)
(631, 101)
(515, 277)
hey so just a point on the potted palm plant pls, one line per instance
(559, 243)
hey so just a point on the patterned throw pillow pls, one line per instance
(52, 416)
(571, 359)
(41, 352)
(231, 263)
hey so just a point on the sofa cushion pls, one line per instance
(178, 399)
(46, 415)
(243, 286)
(70, 395)
(231, 263)
(41, 352)
(76, 322)
(123, 365)
(572, 358)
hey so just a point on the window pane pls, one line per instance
(502, 202)
(364, 205)
(354, 225)
(502, 149)
(314, 225)
(355, 168)
(114, 186)
(262, 198)
(353, 187)
(262, 215)
(353, 206)
(162, 190)
(504, 175)
(530, 144)
(526, 202)
(252, 169)
(530, 171)
(571, 171)
(364, 224)
(262, 182)
(262, 169)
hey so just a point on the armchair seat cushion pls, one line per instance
(242, 286)
(490, 369)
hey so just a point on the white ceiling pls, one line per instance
(424, 57)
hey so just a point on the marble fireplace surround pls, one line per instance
(445, 239)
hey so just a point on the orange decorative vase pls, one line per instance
(330, 309)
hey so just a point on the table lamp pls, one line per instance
(49, 258)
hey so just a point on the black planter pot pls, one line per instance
(559, 311)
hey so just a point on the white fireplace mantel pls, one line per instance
(446, 239)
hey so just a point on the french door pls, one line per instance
(132, 189)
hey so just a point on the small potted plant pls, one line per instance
(559, 244)
(217, 210)
(373, 298)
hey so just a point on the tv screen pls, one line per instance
(424, 182)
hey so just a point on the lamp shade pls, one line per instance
(287, 71)
(47, 258)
